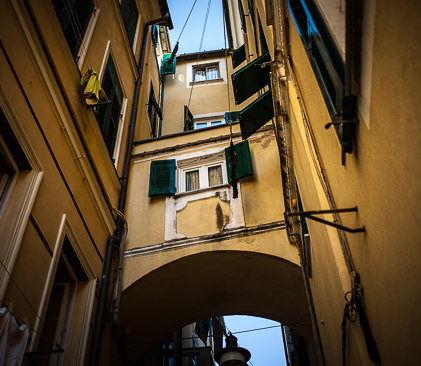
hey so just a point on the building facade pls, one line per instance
(62, 157)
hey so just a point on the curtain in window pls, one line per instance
(192, 180)
(212, 73)
(199, 75)
(215, 175)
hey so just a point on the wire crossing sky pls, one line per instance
(190, 39)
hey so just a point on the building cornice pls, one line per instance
(204, 239)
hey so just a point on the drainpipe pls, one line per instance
(114, 240)
(284, 138)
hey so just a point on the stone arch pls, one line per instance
(214, 283)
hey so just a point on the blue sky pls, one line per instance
(265, 345)
(192, 34)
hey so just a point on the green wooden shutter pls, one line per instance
(256, 115)
(238, 56)
(162, 177)
(244, 165)
(188, 119)
(251, 78)
(231, 117)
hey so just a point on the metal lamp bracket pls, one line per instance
(309, 215)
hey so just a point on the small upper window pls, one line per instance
(204, 73)
(199, 125)
(130, 15)
(74, 16)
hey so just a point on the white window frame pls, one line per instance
(80, 324)
(203, 176)
(220, 63)
(19, 197)
(118, 139)
(201, 163)
(209, 118)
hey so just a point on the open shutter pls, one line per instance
(251, 78)
(162, 177)
(256, 115)
(244, 165)
(238, 56)
(188, 119)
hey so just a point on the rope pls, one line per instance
(226, 67)
(186, 20)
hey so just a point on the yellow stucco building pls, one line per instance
(119, 216)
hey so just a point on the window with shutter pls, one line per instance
(130, 16)
(244, 166)
(154, 111)
(74, 16)
(108, 115)
(162, 177)
(188, 119)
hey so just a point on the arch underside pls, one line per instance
(211, 284)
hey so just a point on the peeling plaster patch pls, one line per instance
(266, 141)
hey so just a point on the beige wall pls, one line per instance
(379, 177)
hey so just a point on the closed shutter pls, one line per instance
(162, 177)
(244, 164)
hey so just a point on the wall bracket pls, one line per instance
(309, 215)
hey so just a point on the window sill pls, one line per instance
(204, 82)
(221, 186)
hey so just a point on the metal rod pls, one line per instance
(321, 212)
(309, 215)
(98, 104)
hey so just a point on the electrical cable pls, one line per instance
(200, 47)
(226, 67)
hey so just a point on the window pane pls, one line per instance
(201, 125)
(199, 75)
(212, 73)
(192, 180)
(215, 175)
(216, 123)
